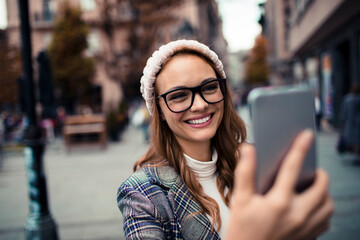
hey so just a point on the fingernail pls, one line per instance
(245, 151)
(308, 134)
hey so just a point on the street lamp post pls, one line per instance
(39, 225)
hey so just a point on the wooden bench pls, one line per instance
(85, 125)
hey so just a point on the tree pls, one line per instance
(72, 71)
(257, 68)
(145, 21)
(10, 72)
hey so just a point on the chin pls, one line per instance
(204, 137)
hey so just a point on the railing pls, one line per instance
(43, 17)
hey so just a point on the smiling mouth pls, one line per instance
(199, 121)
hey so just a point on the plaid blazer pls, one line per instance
(156, 204)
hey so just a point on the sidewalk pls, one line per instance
(344, 188)
(82, 188)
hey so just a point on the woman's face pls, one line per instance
(199, 123)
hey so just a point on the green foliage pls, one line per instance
(257, 69)
(73, 72)
(145, 27)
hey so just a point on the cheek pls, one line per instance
(169, 116)
(220, 110)
(173, 118)
(220, 107)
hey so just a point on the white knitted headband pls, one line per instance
(155, 62)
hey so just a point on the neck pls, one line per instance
(198, 151)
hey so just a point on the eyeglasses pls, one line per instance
(181, 99)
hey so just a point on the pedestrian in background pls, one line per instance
(318, 113)
(186, 185)
(141, 119)
(349, 139)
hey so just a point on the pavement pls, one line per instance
(81, 185)
(82, 188)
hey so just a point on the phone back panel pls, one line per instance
(278, 115)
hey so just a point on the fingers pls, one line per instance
(245, 173)
(319, 221)
(316, 193)
(321, 205)
(291, 166)
(316, 207)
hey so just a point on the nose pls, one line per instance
(199, 104)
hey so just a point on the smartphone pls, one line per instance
(278, 115)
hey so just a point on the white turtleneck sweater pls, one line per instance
(206, 172)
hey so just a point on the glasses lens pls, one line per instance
(179, 100)
(212, 92)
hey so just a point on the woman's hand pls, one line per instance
(281, 213)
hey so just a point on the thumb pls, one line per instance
(244, 186)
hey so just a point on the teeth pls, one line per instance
(199, 121)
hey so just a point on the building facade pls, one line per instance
(114, 26)
(317, 42)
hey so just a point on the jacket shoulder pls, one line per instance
(162, 176)
(148, 184)
(145, 206)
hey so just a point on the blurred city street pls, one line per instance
(71, 72)
(82, 188)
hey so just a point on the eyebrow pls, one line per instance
(179, 87)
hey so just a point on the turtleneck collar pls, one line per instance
(204, 170)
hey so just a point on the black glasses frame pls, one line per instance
(194, 90)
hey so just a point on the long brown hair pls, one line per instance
(165, 150)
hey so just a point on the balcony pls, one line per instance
(43, 19)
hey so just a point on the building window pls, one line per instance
(301, 6)
(47, 13)
(93, 43)
(47, 39)
(47, 10)
(126, 12)
(88, 5)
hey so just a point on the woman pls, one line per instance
(183, 187)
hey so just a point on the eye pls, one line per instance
(178, 96)
(210, 87)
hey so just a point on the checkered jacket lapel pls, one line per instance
(171, 202)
